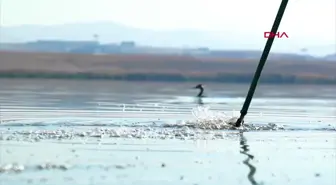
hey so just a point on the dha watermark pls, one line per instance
(277, 35)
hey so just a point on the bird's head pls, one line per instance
(199, 86)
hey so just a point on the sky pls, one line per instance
(309, 21)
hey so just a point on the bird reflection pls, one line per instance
(200, 101)
(245, 149)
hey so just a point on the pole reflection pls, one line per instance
(245, 149)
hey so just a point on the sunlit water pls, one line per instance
(146, 133)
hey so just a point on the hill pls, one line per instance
(111, 32)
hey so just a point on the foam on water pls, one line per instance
(158, 115)
(204, 118)
(205, 124)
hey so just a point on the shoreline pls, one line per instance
(277, 79)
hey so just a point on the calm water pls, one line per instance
(302, 153)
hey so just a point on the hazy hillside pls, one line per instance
(331, 57)
(110, 32)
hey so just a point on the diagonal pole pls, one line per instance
(262, 62)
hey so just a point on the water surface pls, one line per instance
(42, 122)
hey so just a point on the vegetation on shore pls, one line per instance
(164, 68)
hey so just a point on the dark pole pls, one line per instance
(262, 62)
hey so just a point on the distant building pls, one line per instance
(127, 44)
(204, 49)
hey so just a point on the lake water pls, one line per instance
(107, 132)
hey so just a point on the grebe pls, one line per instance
(200, 94)
(201, 88)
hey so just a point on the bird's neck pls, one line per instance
(201, 92)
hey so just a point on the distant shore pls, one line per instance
(161, 68)
(224, 78)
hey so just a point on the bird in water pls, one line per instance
(200, 94)
(201, 88)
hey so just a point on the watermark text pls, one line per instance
(277, 35)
